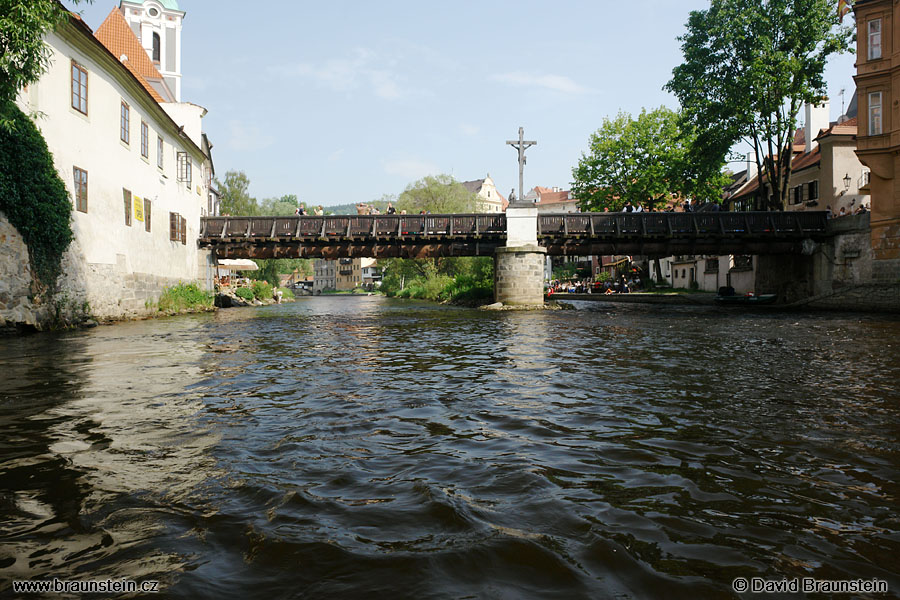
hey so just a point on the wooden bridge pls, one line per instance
(577, 234)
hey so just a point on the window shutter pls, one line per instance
(183, 231)
(146, 214)
(173, 227)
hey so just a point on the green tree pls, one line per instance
(279, 207)
(24, 56)
(439, 194)
(643, 161)
(234, 194)
(749, 65)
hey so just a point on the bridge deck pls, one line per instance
(583, 234)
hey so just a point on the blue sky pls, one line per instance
(346, 101)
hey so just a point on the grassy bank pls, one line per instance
(184, 297)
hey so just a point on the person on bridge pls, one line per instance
(391, 210)
(319, 211)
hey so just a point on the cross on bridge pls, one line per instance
(521, 145)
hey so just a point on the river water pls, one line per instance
(366, 447)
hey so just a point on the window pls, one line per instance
(184, 168)
(177, 228)
(145, 140)
(146, 214)
(712, 265)
(874, 39)
(174, 227)
(79, 88)
(155, 43)
(813, 190)
(126, 195)
(124, 123)
(80, 189)
(797, 194)
(159, 152)
(875, 113)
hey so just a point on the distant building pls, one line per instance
(825, 171)
(324, 278)
(371, 272)
(552, 200)
(489, 199)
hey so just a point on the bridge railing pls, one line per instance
(355, 226)
(667, 225)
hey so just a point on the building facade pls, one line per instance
(877, 70)
(135, 177)
(324, 275)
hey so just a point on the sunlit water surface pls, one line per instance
(363, 447)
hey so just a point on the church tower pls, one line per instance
(157, 24)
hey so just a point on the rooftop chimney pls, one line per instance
(752, 168)
(817, 118)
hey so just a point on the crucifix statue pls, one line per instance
(520, 145)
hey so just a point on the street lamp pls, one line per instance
(847, 182)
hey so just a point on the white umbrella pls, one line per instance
(238, 264)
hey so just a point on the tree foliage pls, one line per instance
(234, 195)
(643, 161)
(439, 194)
(24, 56)
(32, 195)
(749, 65)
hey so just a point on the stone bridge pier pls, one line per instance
(519, 266)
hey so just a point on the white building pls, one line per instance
(488, 198)
(137, 178)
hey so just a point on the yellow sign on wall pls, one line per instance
(138, 209)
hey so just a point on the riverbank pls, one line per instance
(641, 298)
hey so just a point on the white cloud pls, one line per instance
(556, 83)
(362, 70)
(336, 154)
(409, 168)
(247, 138)
(469, 130)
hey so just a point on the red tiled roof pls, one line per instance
(848, 127)
(551, 197)
(803, 161)
(119, 39)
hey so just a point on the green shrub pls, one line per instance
(184, 296)
(244, 293)
(32, 196)
(286, 293)
(262, 290)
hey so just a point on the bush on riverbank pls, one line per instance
(184, 296)
(455, 280)
(286, 293)
(262, 290)
(244, 294)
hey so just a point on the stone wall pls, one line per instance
(85, 290)
(843, 274)
(15, 277)
(519, 275)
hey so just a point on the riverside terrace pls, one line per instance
(575, 234)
